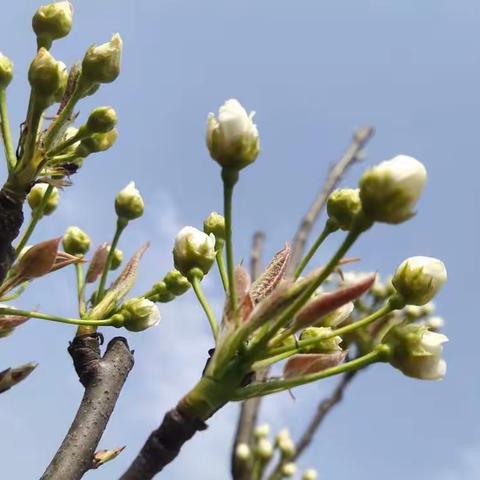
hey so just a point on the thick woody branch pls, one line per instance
(351, 155)
(103, 379)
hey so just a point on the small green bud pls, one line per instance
(310, 474)
(52, 21)
(330, 345)
(36, 194)
(101, 120)
(418, 279)
(176, 283)
(102, 64)
(193, 249)
(6, 71)
(98, 142)
(76, 241)
(117, 258)
(215, 223)
(139, 314)
(129, 203)
(343, 205)
(232, 137)
(161, 293)
(289, 341)
(45, 76)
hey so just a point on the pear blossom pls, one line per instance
(129, 203)
(139, 314)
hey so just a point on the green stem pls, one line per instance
(326, 232)
(272, 386)
(7, 298)
(230, 178)
(257, 470)
(385, 310)
(197, 288)
(54, 318)
(82, 309)
(221, 265)
(67, 143)
(6, 133)
(121, 224)
(33, 124)
(37, 214)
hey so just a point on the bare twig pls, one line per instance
(249, 408)
(351, 155)
(103, 379)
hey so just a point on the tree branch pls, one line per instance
(103, 379)
(351, 155)
(249, 408)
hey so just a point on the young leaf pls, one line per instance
(305, 363)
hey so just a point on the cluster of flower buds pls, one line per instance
(137, 314)
(173, 285)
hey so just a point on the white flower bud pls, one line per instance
(6, 71)
(139, 314)
(289, 469)
(76, 241)
(102, 64)
(287, 447)
(52, 21)
(343, 205)
(36, 194)
(390, 190)
(435, 323)
(242, 452)
(264, 449)
(129, 203)
(416, 351)
(232, 137)
(418, 279)
(261, 430)
(310, 474)
(215, 223)
(193, 249)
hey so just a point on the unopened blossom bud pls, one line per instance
(139, 314)
(261, 431)
(215, 223)
(52, 21)
(101, 120)
(330, 345)
(160, 293)
(63, 73)
(76, 241)
(102, 64)
(193, 249)
(413, 311)
(390, 190)
(287, 447)
(416, 351)
(289, 469)
(45, 76)
(264, 449)
(232, 137)
(310, 474)
(418, 279)
(435, 323)
(176, 283)
(117, 258)
(242, 452)
(343, 205)
(98, 142)
(6, 71)
(36, 194)
(129, 203)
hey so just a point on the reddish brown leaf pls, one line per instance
(97, 263)
(103, 456)
(64, 259)
(12, 376)
(8, 323)
(38, 260)
(305, 363)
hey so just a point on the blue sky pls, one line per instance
(313, 71)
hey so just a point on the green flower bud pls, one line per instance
(129, 203)
(139, 314)
(390, 190)
(232, 137)
(117, 258)
(416, 351)
(289, 469)
(343, 205)
(76, 241)
(45, 76)
(6, 71)
(418, 279)
(193, 249)
(261, 431)
(215, 223)
(58, 96)
(101, 120)
(102, 64)
(36, 195)
(52, 22)
(98, 142)
(330, 345)
(161, 293)
(264, 450)
(176, 283)
(310, 474)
